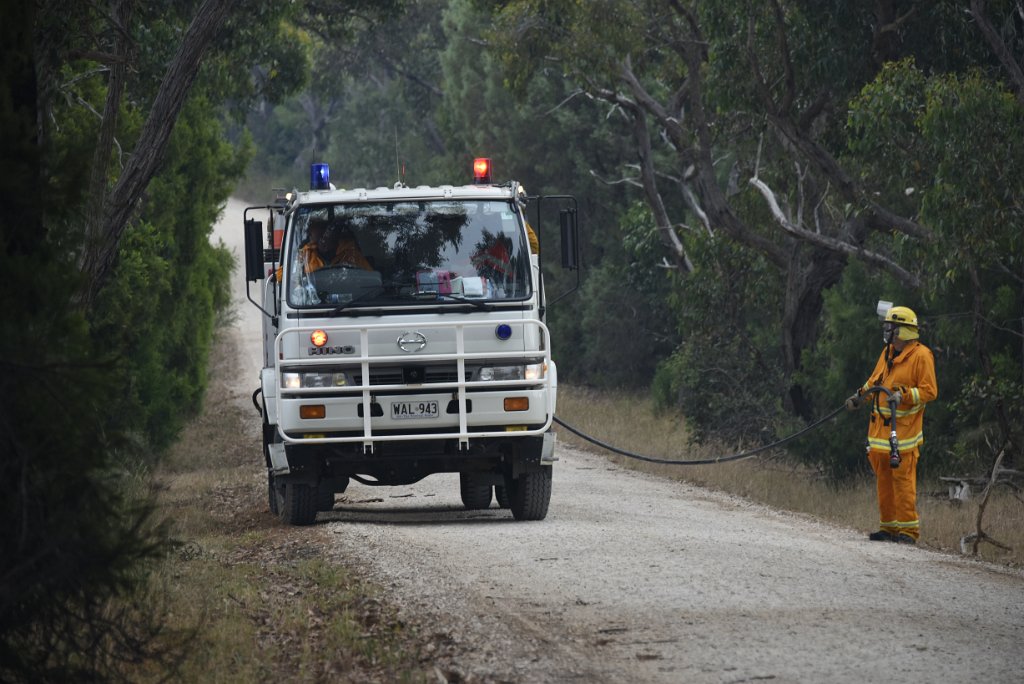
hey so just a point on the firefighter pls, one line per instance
(907, 368)
(331, 245)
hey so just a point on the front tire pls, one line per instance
(273, 495)
(298, 506)
(475, 495)
(531, 495)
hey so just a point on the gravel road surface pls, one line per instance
(636, 578)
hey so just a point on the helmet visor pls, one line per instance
(888, 330)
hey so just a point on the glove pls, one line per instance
(897, 396)
(854, 402)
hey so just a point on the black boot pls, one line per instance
(881, 535)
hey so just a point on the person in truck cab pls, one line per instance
(331, 245)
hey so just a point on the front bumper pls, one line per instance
(368, 413)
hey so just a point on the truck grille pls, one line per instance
(396, 376)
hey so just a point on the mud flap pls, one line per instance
(547, 451)
(278, 459)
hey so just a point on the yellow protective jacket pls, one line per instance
(346, 253)
(912, 372)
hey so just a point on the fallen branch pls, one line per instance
(979, 534)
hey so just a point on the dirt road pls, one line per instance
(635, 578)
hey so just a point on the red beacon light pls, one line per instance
(481, 171)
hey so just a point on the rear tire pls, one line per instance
(298, 507)
(531, 494)
(475, 495)
(502, 497)
(324, 497)
(273, 496)
(326, 490)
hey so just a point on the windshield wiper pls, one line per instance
(462, 300)
(366, 295)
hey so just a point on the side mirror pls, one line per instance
(570, 239)
(253, 250)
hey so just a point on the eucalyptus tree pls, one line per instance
(369, 104)
(737, 113)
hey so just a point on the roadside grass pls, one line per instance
(629, 421)
(261, 602)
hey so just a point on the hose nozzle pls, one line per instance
(894, 450)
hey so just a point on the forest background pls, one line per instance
(753, 178)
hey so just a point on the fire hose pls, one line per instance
(894, 453)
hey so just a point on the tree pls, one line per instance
(109, 220)
(753, 107)
(73, 566)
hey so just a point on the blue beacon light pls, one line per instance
(503, 331)
(319, 177)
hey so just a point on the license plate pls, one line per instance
(401, 410)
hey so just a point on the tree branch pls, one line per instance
(832, 244)
(648, 177)
(1013, 69)
(787, 62)
(101, 250)
(121, 11)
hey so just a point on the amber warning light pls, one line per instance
(318, 338)
(481, 170)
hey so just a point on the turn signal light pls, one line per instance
(318, 338)
(313, 411)
(517, 403)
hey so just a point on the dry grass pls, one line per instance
(630, 422)
(265, 602)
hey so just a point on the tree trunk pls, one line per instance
(809, 275)
(120, 13)
(119, 206)
(22, 228)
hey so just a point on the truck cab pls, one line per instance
(404, 336)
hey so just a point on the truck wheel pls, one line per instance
(531, 494)
(501, 495)
(325, 491)
(298, 507)
(324, 497)
(475, 496)
(273, 495)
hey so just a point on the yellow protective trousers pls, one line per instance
(897, 492)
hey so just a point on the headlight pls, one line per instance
(533, 371)
(314, 379)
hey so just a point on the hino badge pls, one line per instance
(404, 335)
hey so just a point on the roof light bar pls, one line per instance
(482, 171)
(319, 177)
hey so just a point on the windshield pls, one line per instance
(402, 253)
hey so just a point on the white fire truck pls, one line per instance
(404, 336)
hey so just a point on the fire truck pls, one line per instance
(404, 335)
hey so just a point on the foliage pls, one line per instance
(726, 370)
(89, 386)
(955, 141)
(76, 539)
(159, 309)
(625, 309)
(881, 129)
(839, 364)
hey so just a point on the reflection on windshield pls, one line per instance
(407, 253)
